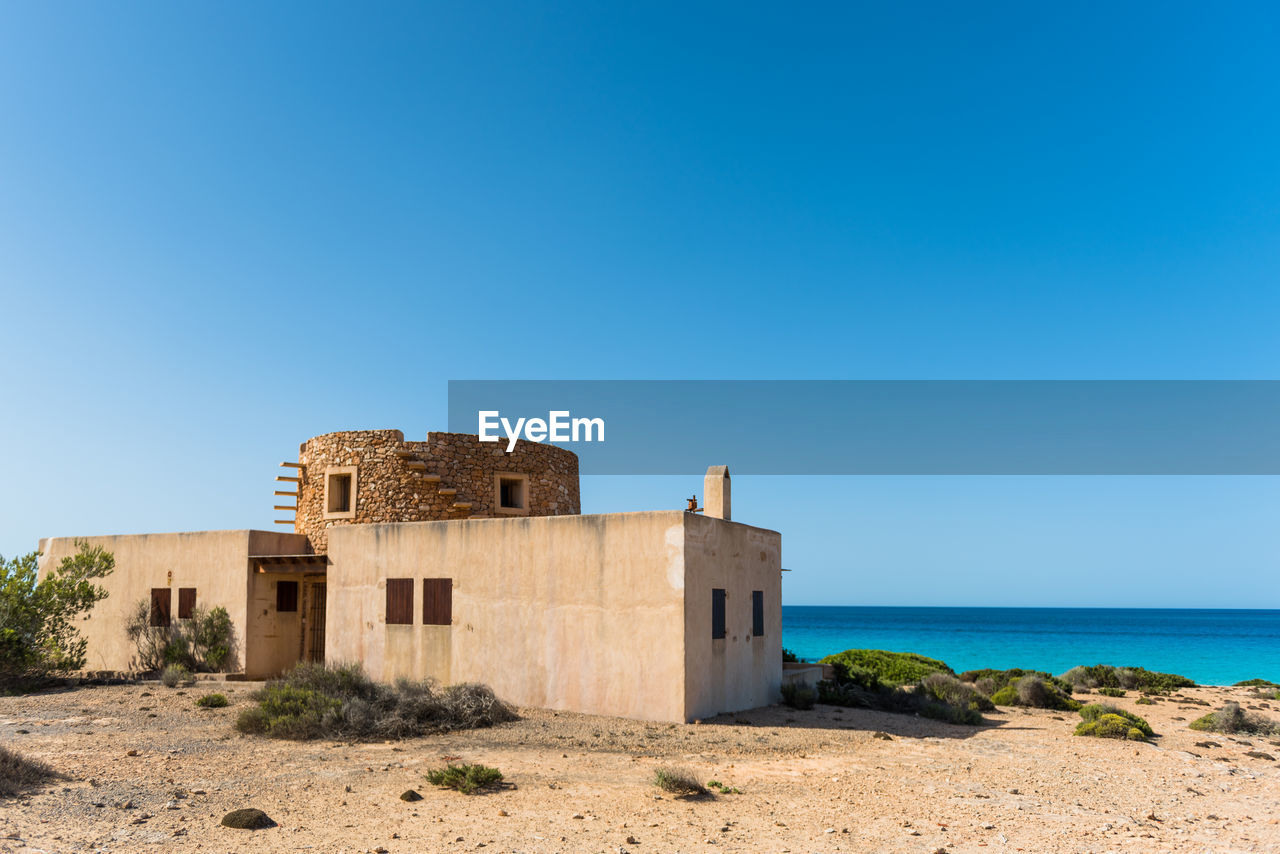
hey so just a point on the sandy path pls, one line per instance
(812, 781)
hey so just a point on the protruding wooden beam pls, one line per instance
(285, 507)
(294, 494)
(290, 479)
(291, 465)
(285, 521)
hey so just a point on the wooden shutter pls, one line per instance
(717, 613)
(757, 613)
(399, 601)
(286, 596)
(161, 599)
(186, 602)
(437, 601)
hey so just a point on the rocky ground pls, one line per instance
(146, 769)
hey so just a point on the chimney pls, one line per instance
(715, 493)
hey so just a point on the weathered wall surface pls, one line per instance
(582, 613)
(738, 671)
(216, 563)
(448, 476)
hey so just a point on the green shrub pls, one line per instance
(1032, 689)
(939, 699)
(997, 679)
(889, 668)
(213, 701)
(18, 773)
(1094, 711)
(946, 688)
(1110, 726)
(678, 781)
(204, 642)
(1112, 692)
(175, 675)
(1233, 719)
(467, 779)
(788, 655)
(1109, 676)
(38, 633)
(798, 696)
(1250, 683)
(1145, 701)
(340, 701)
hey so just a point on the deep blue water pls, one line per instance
(1213, 647)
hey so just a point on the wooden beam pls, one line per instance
(294, 494)
(291, 465)
(290, 479)
(285, 507)
(284, 521)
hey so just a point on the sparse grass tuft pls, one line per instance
(1112, 692)
(1233, 719)
(213, 701)
(341, 701)
(467, 779)
(678, 781)
(1145, 701)
(722, 788)
(175, 675)
(18, 773)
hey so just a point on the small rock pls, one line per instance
(132, 753)
(172, 805)
(502, 813)
(631, 840)
(988, 826)
(247, 819)
(380, 850)
(410, 795)
(577, 815)
(1258, 754)
(883, 736)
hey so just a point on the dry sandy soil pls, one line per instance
(816, 781)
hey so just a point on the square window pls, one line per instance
(161, 601)
(286, 596)
(717, 614)
(757, 613)
(399, 601)
(186, 602)
(511, 493)
(340, 492)
(437, 601)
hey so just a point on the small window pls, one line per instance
(437, 601)
(286, 596)
(717, 613)
(186, 602)
(161, 600)
(399, 601)
(512, 493)
(340, 492)
(757, 613)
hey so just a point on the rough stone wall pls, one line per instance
(399, 481)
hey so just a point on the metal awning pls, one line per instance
(289, 563)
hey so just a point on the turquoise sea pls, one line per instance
(1213, 647)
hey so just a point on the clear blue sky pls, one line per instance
(226, 227)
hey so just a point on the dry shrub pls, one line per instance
(18, 773)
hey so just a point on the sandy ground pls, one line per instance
(816, 781)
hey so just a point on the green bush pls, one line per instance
(998, 679)
(340, 701)
(798, 696)
(1109, 676)
(175, 675)
(1094, 711)
(1110, 726)
(948, 689)
(38, 634)
(1250, 683)
(18, 773)
(467, 779)
(213, 701)
(1232, 719)
(788, 655)
(1112, 692)
(889, 668)
(678, 781)
(1145, 701)
(1032, 689)
(204, 642)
